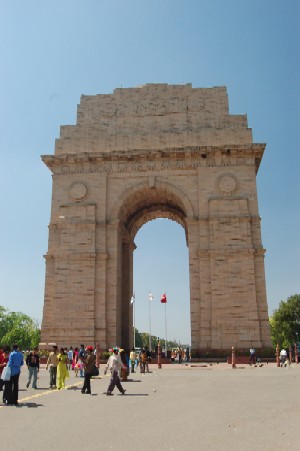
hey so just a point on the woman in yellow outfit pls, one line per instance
(62, 369)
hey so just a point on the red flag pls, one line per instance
(163, 299)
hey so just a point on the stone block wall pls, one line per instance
(159, 150)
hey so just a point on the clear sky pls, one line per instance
(51, 52)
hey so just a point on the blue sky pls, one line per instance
(53, 51)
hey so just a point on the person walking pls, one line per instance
(132, 357)
(252, 356)
(62, 369)
(75, 358)
(81, 355)
(283, 357)
(88, 363)
(187, 354)
(148, 359)
(15, 361)
(143, 361)
(33, 365)
(52, 362)
(70, 357)
(114, 364)
(179, 355)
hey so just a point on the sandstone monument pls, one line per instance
(155, 151)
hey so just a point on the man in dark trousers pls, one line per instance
(114, 364)
(88, 363)
(33, 365)
(52, 362)
(15, 362)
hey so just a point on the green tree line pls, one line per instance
(16, 327)
(285, 322)
(142, 340)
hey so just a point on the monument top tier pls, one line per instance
(153, 116)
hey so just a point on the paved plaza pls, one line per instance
(179, 407)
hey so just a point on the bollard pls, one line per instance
(296, 353)
(158, 355)
(277, 356)
(233, 357)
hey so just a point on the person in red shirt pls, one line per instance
(4, 359)
(1, 368)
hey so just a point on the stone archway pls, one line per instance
(168, 151)
(139, 206)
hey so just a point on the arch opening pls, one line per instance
(139, 209)
(161, 266)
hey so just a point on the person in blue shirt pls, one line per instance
(15, 362)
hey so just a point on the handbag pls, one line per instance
(6, 373)
(95, 371)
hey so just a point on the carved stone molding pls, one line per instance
(187, 158)
(78, 191)
(227, 184)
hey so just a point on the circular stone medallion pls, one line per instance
(227, 184)
(78, 191)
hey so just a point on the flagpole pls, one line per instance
(150, 298)
(132, 302)
(166, 345)
(134, 324)
(149, 326)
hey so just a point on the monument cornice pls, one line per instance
(188, 157)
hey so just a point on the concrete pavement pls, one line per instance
(176, 408)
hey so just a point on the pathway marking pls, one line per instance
(38, 395)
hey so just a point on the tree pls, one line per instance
(142, 340)
(16, 327)
(285, 322)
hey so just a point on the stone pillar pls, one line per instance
(100, 299)
(127, 288)
(195, 313)
(113, 284)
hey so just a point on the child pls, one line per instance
(77, 368)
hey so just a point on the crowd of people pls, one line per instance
(60, 362)
(179, 355)
(81, 360)
(285, 357)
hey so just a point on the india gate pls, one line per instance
(155, 151)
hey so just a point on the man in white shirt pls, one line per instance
(283, 357)
(114, 364)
